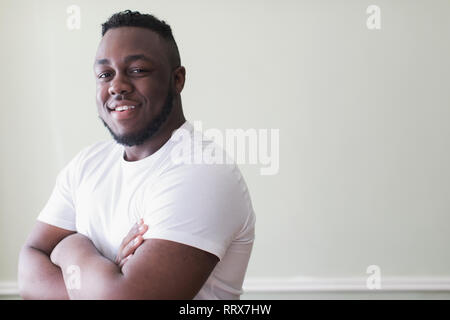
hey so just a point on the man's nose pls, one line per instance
(119, 85)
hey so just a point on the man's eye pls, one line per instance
(137, 70)
(104, 75)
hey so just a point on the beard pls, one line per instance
(138, 138)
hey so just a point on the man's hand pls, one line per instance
(131, 242)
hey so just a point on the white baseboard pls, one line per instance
(302, 285)
(8, 288)
(387, 284)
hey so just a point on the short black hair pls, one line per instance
(130, 18)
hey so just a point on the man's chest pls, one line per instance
(106, 211)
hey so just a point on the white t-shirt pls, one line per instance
(207, 206)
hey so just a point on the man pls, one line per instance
(195, 222)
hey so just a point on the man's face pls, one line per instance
(132, 70)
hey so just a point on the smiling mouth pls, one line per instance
(124, 108)
(124, 112)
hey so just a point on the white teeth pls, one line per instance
(124, 108)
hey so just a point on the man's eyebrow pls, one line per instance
(127, 59)
(135, 57)
(102, 61)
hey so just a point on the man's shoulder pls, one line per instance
(195, 159)
(216, 192)
(192, 151)
(98, 148)
(200, 171)
(221, 181)
(93, 154)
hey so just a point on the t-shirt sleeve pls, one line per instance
(203, 206)
(59, 210)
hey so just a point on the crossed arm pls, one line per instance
(158, 269)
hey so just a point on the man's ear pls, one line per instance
(179, 78)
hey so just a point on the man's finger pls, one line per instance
(131, 247)
(137, 229)
(133, 232)
(124, 250)
(122, 262)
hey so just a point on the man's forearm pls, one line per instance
(38, 277)
(98, 278)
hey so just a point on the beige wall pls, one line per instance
(363, 116)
